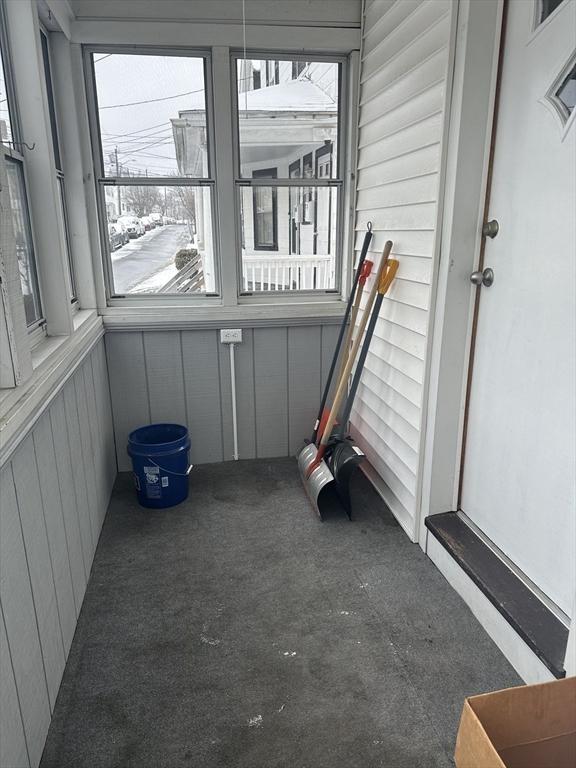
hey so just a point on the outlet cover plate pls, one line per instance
(231, 335)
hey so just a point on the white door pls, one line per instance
(519, 466)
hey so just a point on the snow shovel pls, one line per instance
(359, 279)
(364, 275)
(316, 476)
(343, 456)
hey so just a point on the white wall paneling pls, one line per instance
(405, 80)
(184, 376)
(55, 487)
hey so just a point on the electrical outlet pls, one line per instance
(231, 336)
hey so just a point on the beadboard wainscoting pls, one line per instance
(55, 489)
(184, 377)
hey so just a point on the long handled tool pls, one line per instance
(344, 456)
(313, 468)
(359, 279)
(364, 275)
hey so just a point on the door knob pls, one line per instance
(485, 277)
(490, 228)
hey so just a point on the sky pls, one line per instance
(137, 97)
(139, 94)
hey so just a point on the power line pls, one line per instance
(140, 130)
(152, 101)
(138, 139)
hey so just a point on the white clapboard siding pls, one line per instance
(404, 80)
(54, 491)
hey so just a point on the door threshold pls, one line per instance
(534, 622)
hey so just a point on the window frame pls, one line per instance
(47, 71)
(36, 329)
(224, 180)
(101, 180)
(339, 181)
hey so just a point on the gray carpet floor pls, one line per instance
(237, 630)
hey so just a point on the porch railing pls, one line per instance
(287, 273)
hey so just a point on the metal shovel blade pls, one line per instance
(320, 486)
(343, 460)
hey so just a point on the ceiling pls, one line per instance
(324, 13)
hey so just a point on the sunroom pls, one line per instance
(287, 383)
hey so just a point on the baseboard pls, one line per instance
(519, 654)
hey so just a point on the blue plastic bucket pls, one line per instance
(159, 454)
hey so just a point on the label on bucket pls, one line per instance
(164, 482)
(153, 491)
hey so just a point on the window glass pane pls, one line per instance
(23, 237)
(162, 241)
(547, 7)
(50, 94)
(5, 121)
(301, 222)
(567, 91)
(152, 113)
(287, 115)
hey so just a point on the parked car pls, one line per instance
(147, 222)
(124, 232)
(115, 237)
(157, 219)
(133, 225)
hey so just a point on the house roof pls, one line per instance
(293, 96)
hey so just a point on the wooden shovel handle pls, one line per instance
(343, 383)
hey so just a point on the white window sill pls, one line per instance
(53, 360)
(241, 315)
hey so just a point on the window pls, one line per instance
(561, 95)
(265, 212)
(11, 147)
(58, 161)
(297, 68)
(287, 132)
(153, 159)
(566, 93)
(545, 8)
(278, 203)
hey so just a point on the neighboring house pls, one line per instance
(288, 128)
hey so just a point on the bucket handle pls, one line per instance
(169, 471)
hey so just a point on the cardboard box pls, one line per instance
(533, 726)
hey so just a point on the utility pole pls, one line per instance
(117, 186)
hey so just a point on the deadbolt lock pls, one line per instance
(483, 277)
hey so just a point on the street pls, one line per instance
(140, 259)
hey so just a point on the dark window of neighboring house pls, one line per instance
(264, 202)
(297, 68)
(307, 196)
(256, 79)
(272, 72)
(294, 172)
